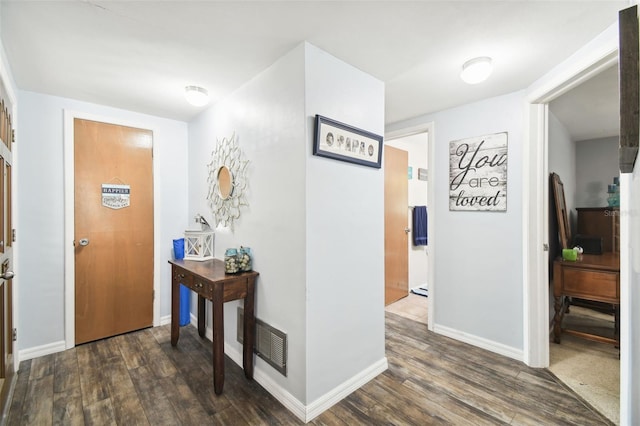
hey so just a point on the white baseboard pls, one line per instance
(317, 407)
(278, 392)
(305, 413)
(43, 350)
(480, 342)
(60, 346)
(292, 403)
(338, 393)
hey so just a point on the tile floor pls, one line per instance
(413, 307)
(591, 369)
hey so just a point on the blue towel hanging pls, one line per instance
(420, 226)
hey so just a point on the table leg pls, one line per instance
(175, 307)
(616, 326)
(218, 339)
(557, 318)
(249, 329)
(202, 326)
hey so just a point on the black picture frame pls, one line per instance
(342, 142)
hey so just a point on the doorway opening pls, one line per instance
(595, 58)
(585, 156)
(417, 298)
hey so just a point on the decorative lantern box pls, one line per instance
(198, 245)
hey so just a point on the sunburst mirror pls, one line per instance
(227, 180)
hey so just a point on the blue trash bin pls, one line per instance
(185, 294)
(178, 248)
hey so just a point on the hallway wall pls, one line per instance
(40, 210)
(597, 164)
(314, 224)
(478, 256)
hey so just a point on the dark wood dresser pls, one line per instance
(601, 222)
(593, 278)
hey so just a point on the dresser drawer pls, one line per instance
(196, 284)
(593, 285)
(203, 288)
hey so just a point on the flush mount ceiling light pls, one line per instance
(196, 95)
(476, 70)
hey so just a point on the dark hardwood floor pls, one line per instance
(139, 379)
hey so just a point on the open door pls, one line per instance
(7, 368)
(396, 227)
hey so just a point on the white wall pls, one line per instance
(630, 296)
(478, 261)
(314, 224)
(562, 160)
(345, 231)
(596, 166)
(416, 147)
(267, 116)
(40, 207)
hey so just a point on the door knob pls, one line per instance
(84, 241)
(407, 230)
(7, 275)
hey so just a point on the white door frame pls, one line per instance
(592, 59)
(6, 80)
(410, 131)
(69, 221)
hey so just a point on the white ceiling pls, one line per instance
(591, 110)
(139, 55)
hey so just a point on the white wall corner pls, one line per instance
(339, 345)
(166, 319)
(305, 413)
(278, 392)
(38, 351)
(341, 391)
(480, 342)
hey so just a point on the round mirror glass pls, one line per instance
(225, 182)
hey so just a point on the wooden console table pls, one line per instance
(208, 279)
(591, 277)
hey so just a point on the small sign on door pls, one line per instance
(115, 196)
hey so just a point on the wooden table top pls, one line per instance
(609, 261)
(210, 270)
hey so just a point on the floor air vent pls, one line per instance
(271, 344)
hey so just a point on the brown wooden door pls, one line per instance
(113, 241)
(7, 368)
(396, 204)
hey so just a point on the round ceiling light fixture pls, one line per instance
(196, 95)
(476, 70)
